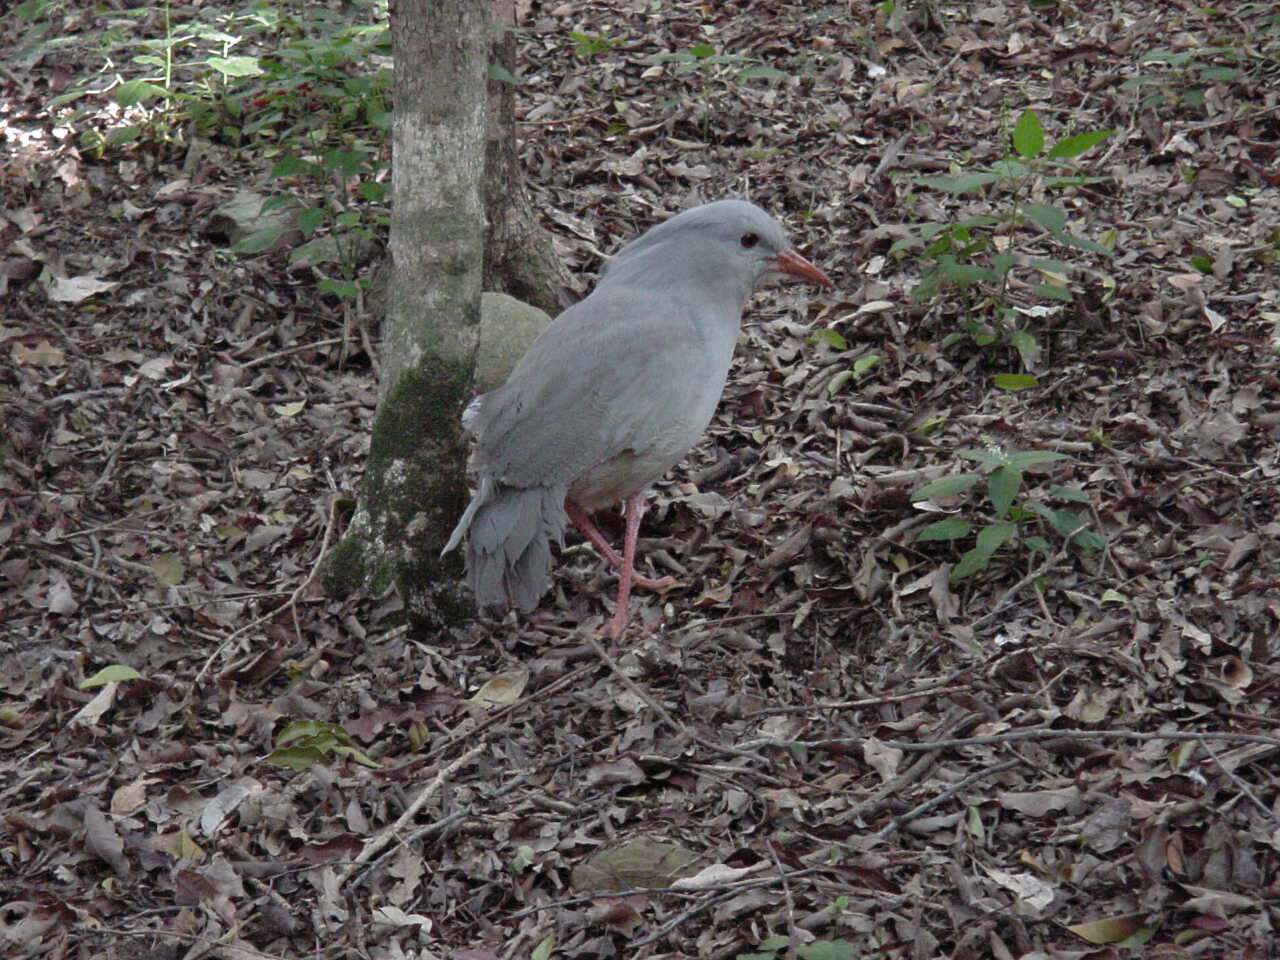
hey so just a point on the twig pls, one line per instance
(371, 847)
(439, 825)
(296, 348)
(1240, 784)
(1013, 591)
(897, 822)
(631, 685)
(78, 566)
(937, 690)
(115, 523)
(790, 901)
(1037, 734)
(708, 904)
(290, 604)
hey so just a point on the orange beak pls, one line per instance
(790, 262)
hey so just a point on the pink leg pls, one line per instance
(635, 510)
(592, 533)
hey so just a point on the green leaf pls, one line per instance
(1001, 264)
(972, 562)
(992, 538)
(313, 252)
(1010, 169)
(966, 273)
(1056, 267)
(123, 135)
(359, 756)
(1072, 494)
(372, 190)
(259, 240)
(139, 91)
(523, 859)
(1028, 135)
(500, 73)
(236, 66)
(1078, 144)
(1049, 217)
(952, 528)
(973, 822)
(946, 486)
(1015, 381)
(761, 71)
(839, 381)
(64, 98)
(296, 758)
(543, 950)
(703, 50)
(1051, 291)
(1213, 74)
(777, 942)
(312, 219)
(865, 363)
(1027, 346)
(1002, 486)
(312, 729)
(1203, 264)
(1089, 541)
(345, 289)
(831, 338)
(169, 568)
(291, 166)
(346, 162)
(116, 673)
(991, 458)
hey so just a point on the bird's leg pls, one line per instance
(592, 533)
(635, 510)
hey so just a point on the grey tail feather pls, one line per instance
(509, 533)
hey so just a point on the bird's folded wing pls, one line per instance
(611, 374)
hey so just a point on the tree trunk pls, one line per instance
(414, 486)
(520, 257)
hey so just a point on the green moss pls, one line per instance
(413, 492)
(343, 569)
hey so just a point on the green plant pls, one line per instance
(1014, 516)
(586, 46)
(980, 255)
(1181, 76)
(722, 69)
(861, 366)
(302, 745)
(313, 100)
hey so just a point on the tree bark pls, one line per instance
(520, 257)
(414, 486)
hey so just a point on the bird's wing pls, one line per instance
(612, 373)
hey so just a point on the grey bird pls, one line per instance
(612, 395)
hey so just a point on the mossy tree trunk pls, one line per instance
(520, 257)
(414, 487)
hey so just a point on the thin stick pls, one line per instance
(1037, 734)
(371, 847)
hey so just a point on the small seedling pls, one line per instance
(981, 255)
(1014, 518)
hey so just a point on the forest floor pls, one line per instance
(1027, 740)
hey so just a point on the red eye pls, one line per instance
(749, 240)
